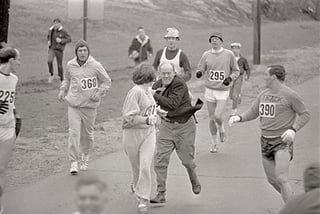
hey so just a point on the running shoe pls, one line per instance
(50, 80)
(142, 207)
(84, 166)
(214, 148)
(74, 168)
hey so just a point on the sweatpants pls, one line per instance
(81, 131)
(139, 145)
(179, 137)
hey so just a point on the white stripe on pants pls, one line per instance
(139, 146)
(81, 131)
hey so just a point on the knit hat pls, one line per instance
(216, 34)
(172, 32)
(235, 44)
(82, 43)
(311, 176)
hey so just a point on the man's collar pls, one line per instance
(217, 51)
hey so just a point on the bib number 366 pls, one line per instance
(267, 110)
(216, 75)
(89, 83)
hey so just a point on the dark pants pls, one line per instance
(59, 57)
(180, 137)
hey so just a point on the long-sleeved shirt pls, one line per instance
(138, 105)
(217, 66)
(277, 111)
(8, 85)
(182, 66)
(144, 48)
(60, 33)
(82, 81)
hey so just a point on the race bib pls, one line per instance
(89, 83)
(151, 110)
(7, 96)
(267, 110)
(216, 76)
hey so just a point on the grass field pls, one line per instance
(41, 149)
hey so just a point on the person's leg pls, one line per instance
(146, 154)
(269, 169)
(88, 117)
(211, 106)
(74, 133)
(235, 94)
(185, 148)
(218, 117)
(282, 163)
(131, 147)
(59, 55)
(51, 56)
(7, 140)
(164, 148)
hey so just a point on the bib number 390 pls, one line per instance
(89, 83)
(267, 110)
(216, 75)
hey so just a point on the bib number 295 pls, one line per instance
(89, 83)
(267, 110)
(216, 75)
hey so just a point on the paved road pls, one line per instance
(232, 180)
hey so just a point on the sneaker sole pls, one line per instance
(73, 173)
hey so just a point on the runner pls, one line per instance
(277, 106)
(9, 63)
(221, 69)
(235, 90)
(139, 133)
(86, 81)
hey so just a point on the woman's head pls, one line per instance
(143, 74)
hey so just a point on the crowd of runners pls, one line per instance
(158, 112)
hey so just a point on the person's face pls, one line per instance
(15, 62)
(267, 78)
(171, 42)
(216, 42)
(141, 33)
(82, 53)
(56, 24)
(167, 74)
(90, 200)
(236, 50)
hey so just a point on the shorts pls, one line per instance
(212, 95)
(269, 146)
(6, 133)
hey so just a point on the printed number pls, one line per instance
(7, 96)
(151, 110)
(267, 110)
(216, 75)
(89, 83)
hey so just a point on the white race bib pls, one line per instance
(216, 76)
(89, 83)
(267, 110)
(7, 95)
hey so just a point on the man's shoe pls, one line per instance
(214, 148)
(74, 168)
(196, 187)
(84, 166)
(142, 208)
(50, 80)
(159, 199)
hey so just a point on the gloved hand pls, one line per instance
(161, 112)
(199, 74)
(288, 136)
(151, 120)
(61, 95)
(4, 107)
(227, 81)
(95, 97)
(234, 119)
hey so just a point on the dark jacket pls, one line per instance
(58, 33)
(244, 66)
(176, 100)
(142, 47)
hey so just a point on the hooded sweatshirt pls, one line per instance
(81, 82)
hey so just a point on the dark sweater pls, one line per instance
(176, 100)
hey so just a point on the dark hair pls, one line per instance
(7, 53)
(278, 71)
(57, 20)
(143, 73)
(90, 179)
(139, 28)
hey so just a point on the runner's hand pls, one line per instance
(152, 120)
(61, 95)
(199, 74)
(227, 81)
(234, 119)
(161, 112)
(288, 136)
